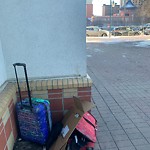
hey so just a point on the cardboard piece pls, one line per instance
(70, 121)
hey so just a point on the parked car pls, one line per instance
(147, 31)
(108, 28)
(125, 31)
(147, 25)
(96, 31)
(135, 28)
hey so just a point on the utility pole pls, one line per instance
(110, 18)
(124, 13)
(112, 4)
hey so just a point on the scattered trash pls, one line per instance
(70, 122)
(84, 135)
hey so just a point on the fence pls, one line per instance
(118, 21)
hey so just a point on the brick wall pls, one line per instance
(59, 92)
(89, 10)
(8, 130)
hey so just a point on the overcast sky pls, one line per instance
(97, 6)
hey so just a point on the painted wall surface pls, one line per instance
(3, 76)
(49, 36)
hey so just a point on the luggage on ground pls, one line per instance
(84, 135)
(33, 115)
(56, 130)
(26, 145)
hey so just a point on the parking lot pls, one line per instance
(92, 31)
(120, 72)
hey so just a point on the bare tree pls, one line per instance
(144, 10)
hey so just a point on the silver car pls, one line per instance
(96, 31)
(125, 31)
(147, 31)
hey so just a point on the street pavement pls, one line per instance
(120, 70)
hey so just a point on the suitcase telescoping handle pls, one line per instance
(26, 76)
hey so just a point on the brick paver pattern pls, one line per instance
(121, 93)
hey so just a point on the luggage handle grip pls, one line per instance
(19, 64)
(28, 88)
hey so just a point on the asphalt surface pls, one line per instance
(120, 70)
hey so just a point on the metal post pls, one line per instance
(111, 5)
(124, 13)
(110, 19)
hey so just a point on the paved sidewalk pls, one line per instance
(121, 92)
(117, 38)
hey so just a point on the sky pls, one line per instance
(97, 6)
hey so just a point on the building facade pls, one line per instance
(135, 2)
(89, 8)
(107, 10)
(138, 3)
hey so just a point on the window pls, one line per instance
(96, 29)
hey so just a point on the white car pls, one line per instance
(96, 31)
